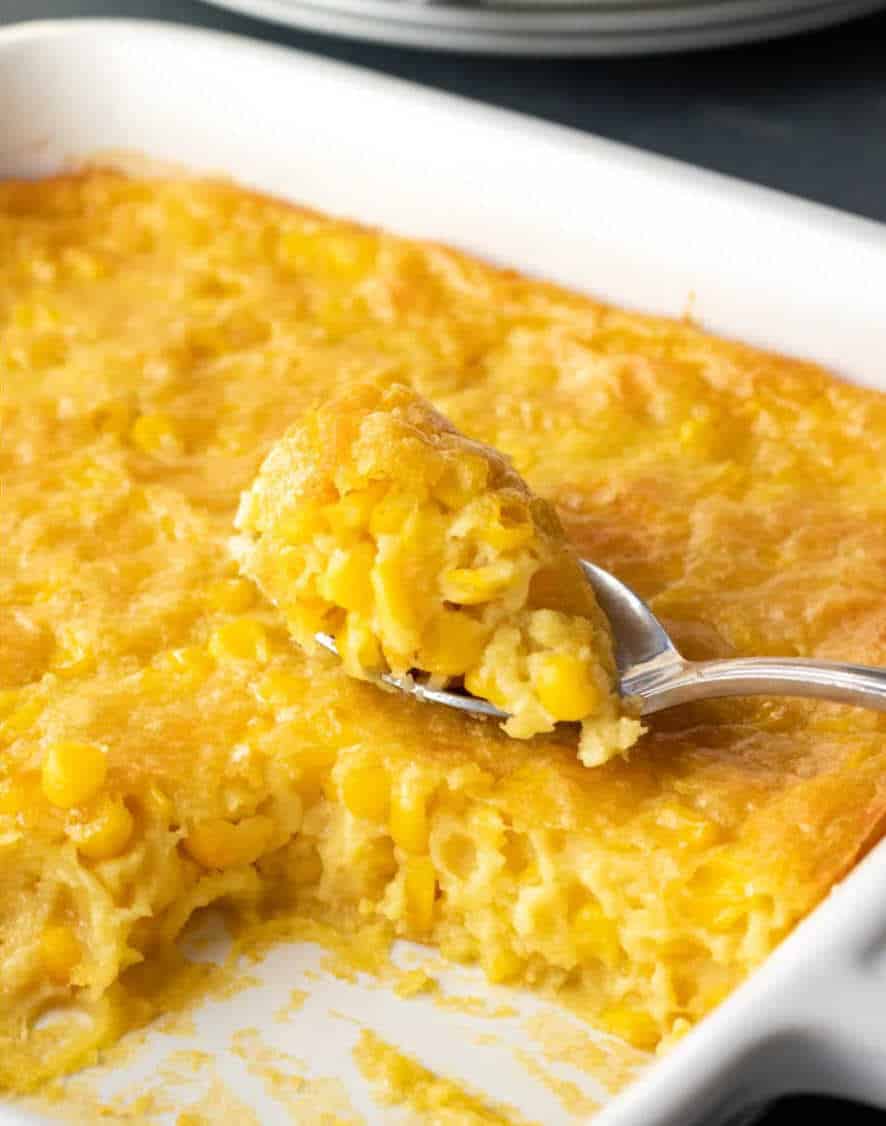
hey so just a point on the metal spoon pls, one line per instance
(653, 672)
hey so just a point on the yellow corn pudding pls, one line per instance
(163, 743)
(420, 551)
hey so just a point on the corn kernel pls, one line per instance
(329, 255)
(154, 682)
(408, 821)
(299, 525)
(543, 913)
(462, 480)
(9, 697)
(359, 648)
(399, 607)
(375, 863)
(12, 798)
(314, 764)
(218, 843)
(22, 719)
(482, 683)
(60, 952)
(390, 514)
(502, 965)
(307, 617)
(719, 894)
(231, 595)
(412, 983)
(716, 994)
(679, 1029)
(564, 686)
(191, 662)
(106, 834)
(33, 314)
(365, 791)
(517, 852)
(423, 536)
(306, 868)
(329, 787)
(595, 934)
(531, 874)
(82, 265)
(452, 643)
(241, 640)
(113, 417)
(510, 529)
(156, 434)
(354, 510)
(698, 434)
(46, 350)
(280, 689)
(347, 581)
(74, 661)
(638, 1028)
(419, 889)
(96, 478)
(470, 586)
(73, 773)
(18, 795)
(689, 829)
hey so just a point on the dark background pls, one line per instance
(807, 115)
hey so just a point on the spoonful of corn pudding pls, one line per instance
(422, 558)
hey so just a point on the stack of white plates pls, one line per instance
(558, 27)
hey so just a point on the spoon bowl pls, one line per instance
(654, 675)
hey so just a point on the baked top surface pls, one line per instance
(158, 337)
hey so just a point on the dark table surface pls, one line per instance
(807, 115)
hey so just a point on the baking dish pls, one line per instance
(635, 229)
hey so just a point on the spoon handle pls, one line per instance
(768, 676)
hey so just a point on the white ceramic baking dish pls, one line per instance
(640, 230)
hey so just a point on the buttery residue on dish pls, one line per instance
(219, 1104)
(401, 1080)
(413, 982)
(576, 1101)
(295, 1003)
(337, 986)
(285, 1077)
(564, 1040)
(478, 1006)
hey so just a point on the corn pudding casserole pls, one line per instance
(420, 551)
(163, 743)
